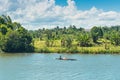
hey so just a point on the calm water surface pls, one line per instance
(46, 67)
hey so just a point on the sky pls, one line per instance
(35, 14)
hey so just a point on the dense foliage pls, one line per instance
(13, 37)
(83, 38)
(96, 33)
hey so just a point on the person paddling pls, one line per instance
(60, 57)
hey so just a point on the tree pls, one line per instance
(17, 42)
(49, 43)
(13, 37)
(115, 38)
(84, 40)
(3, 29)
(63, 41)
(1, 40)
(2, 21)
(66, 42)
(96, 32)
(7, 19)
(16, 25)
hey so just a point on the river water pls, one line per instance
(46, 67)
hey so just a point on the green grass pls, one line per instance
(40, 47)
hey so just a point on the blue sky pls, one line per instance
(35, 14)
(100, 4)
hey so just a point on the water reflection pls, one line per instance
(15, 54)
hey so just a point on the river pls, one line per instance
(47, 67)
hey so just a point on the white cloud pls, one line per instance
(111, 15)
(38, 13)
(4, 6)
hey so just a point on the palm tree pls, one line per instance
(7, 19)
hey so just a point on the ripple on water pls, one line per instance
(46, 67)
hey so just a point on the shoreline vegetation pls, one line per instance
(75, 49)
(14, 38)
(91, 50)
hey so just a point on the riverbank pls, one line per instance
(99, 49)
(82, 50)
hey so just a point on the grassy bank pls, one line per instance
(40, 47)
(85, 50)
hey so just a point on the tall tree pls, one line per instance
(96, 32)
(66, 41)
(84, 40)
(115, 38)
